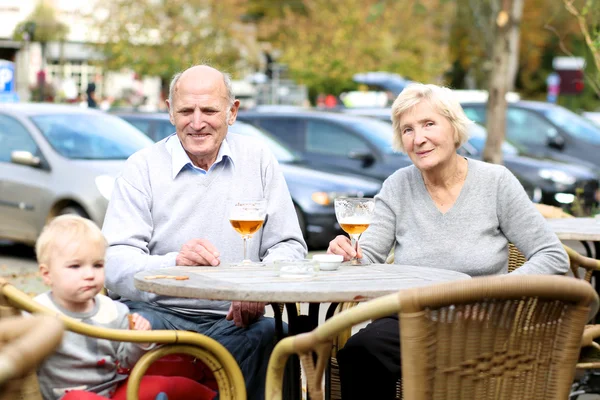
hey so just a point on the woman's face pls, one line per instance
(427, 136)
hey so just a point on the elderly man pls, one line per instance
(170, 207)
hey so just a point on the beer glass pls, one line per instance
(354, 216)
(247, 217)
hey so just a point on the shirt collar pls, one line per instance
(180, 159)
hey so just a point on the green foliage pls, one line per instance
(41, 25)
(164, 37)
(330, 41)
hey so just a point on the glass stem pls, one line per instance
(245, 237)
(354, 242)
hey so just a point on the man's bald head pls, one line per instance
(202, 72)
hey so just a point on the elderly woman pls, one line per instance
(445, 211)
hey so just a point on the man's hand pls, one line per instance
(243, 313)
(198, 252)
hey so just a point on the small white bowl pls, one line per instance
(328, 262)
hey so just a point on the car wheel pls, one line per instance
(73, 209)
(301, 220)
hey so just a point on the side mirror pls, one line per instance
(25, 158)
(367, 158)
(556, 142)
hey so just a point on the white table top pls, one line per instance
(348, 283)
(576, 228)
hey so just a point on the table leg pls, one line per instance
(588, 250)
(329, 314)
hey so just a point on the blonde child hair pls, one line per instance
(65, 229)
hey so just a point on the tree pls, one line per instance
(41, 26)
(504, 49)
(327, 42)
(163, 37)
(587, 14)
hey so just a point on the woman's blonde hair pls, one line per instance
(441, 99)
(64, 229)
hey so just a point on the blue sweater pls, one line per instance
(151, 215)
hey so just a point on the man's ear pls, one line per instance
(170, 112)
(45, 272)
(234, 110)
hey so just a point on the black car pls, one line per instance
(358, 144)
(312, 191)
(546, 130)
(555, 182)
(546, 180)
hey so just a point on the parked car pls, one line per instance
(312, 191)
(358, 144)
(554, 182)
(546, 180)
(58, 159)
(546, 129)
(593, 116)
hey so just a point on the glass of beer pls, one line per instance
(354, 216)
(247, 217)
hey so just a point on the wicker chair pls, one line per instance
(551, 211)
(501, 337)
(224, 367)
(24, 343)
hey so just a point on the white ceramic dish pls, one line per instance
(328, 262)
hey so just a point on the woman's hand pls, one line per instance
(341, 245)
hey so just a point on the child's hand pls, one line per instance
(139, 323)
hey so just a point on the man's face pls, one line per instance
(201, 115)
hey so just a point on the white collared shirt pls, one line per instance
(181, 160)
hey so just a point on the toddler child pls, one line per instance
(70, 252)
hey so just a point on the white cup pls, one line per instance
(328, 262)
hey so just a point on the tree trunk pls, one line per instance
(498, 86)
(514, 39)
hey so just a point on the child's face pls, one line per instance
(76, 274)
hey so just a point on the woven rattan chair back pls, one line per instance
(501, 338)
(24, 386)
(493, 340)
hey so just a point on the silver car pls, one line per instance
(58, 159)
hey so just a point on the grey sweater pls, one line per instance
(151, 215)
(86, 363)
(472, 237)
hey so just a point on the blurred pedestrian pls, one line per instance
(91, 95)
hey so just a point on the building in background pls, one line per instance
(70, 66)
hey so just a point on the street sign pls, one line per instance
(553, 83)
(7, 82)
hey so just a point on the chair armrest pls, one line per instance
(590, 333)
(26, 342)
(227, 373)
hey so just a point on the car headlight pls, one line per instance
(105, 184)
(557, 176)
(327, 198)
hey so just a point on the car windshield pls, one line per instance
(379, 133)
(281, 152)
(572, 123)
(478, 136)
(90, 136)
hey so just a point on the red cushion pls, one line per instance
(175, 387)
(186, 366)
